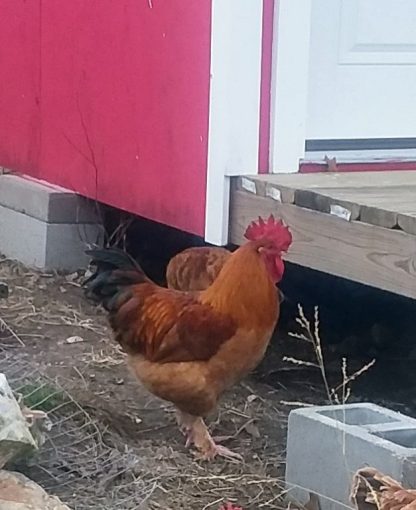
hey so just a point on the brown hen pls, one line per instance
(195, 268)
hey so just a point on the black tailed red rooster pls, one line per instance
(188, 348)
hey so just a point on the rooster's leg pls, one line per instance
(196, 433)
(185, 423)
(207, 447)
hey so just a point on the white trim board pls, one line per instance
(292, 22)
(360, 156)
(234, 110)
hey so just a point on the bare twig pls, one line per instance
(311, 335)
(5, 327)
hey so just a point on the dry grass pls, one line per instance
(148, 457)
(310, 334)
(73, 454)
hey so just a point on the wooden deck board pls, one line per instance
(377, 198)
(376, 246)
(341, 180)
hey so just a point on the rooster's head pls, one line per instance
(271, 238)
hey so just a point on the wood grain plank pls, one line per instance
(407, 222)
(320, 201)
(368, 254)
(378, 216)
(264, 188)
(375, 206)
(377, 198)
(342, 179)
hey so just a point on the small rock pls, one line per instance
(72, 277)
(74, 340)
(17, 492)
(15, 436)
(88, 274)
(252, 429)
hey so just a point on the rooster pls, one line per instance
(189, 347)
(371, 490)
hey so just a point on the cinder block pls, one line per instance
(327, 444)
(44, 201)
(45, 226)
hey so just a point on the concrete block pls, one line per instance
(45, 226)
(44, 245)
(327, 444)
(44, 201)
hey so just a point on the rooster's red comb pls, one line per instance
(271, 229)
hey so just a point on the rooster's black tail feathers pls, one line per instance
(115, 270)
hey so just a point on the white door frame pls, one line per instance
(291, 45)
(234, 110)
(289, 94)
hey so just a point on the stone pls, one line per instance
(15, 436)
(17, 492)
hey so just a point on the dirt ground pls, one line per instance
(43, 312)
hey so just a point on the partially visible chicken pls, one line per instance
(195, 268)
(189, 347)
(371, 490)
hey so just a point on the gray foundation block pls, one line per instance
(326, 445)
(45, 226)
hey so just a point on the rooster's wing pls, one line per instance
(165, 325)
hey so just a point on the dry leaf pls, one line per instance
(72, 277)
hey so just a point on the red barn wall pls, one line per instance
(111, 99)
(20, 85)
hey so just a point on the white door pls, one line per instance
(362, 71)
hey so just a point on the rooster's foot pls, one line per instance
(219, 450)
